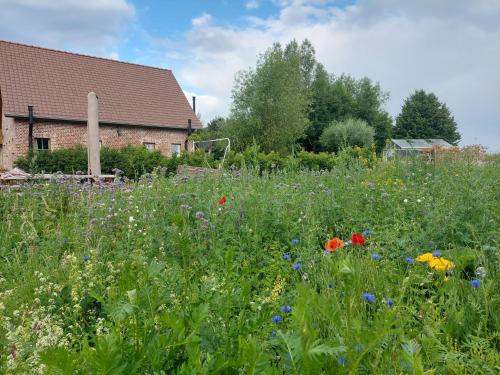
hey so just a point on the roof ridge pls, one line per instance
(84, 55)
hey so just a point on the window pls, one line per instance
(176, 149)
(42, 143)
(149, 146)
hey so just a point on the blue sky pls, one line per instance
(449, 47)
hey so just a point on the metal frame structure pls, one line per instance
(210, 142)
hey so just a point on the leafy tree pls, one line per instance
(343, 97)
(423, 116)
(350, 132)
(213, 130)
(270, 103)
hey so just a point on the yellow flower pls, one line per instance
(277, 288)
(425, 258)
(436, 263)
(441, 264)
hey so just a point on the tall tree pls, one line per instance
(423, 116)
(343, 97)
(270, 103)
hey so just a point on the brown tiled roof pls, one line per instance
(57, 83)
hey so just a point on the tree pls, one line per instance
(423, 116)
(343, 97)
(270, 103)
(350, 132)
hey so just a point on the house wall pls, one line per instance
(64, 135)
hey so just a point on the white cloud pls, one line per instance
(252, 4)
(449, 47)
(202, 20)
(90, 26)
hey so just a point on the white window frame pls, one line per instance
(42, 138)
(148, 145)
(175, 153)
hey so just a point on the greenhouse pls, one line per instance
(403, 148)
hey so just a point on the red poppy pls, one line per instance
(334, 244)
(357, 239)
(222, 201)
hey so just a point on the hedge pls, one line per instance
(136, 161)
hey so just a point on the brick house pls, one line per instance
(138, 105)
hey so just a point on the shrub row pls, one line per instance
(136, 161)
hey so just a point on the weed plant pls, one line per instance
(228, 275)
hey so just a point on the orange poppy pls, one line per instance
(334, 244)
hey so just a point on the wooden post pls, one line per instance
(94, 160)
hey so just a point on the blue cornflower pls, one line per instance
(376, 256)
(297, 266)
(475, 283)
(436, 254)
(368, 297)
(342, 361)
(286, 309)
(389, 302)
(330, 286)
(409, 260)
(86, 258)
(273, 334)
(277, 319)
(295, 241)
(286, 256)
(367, 232)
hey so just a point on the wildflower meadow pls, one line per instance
(390, 268)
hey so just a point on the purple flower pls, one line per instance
(368, 297)
(389, 302)
(286, 256)
(200, 215)
(277, 319)
(185, 206)
(297, 266)
(86, 258)
(436, 254)
(376, 256)
(286, 309)
(295, 241)
(366, 232)
(475, 283)
(409, 260)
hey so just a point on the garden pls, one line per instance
(364, 267)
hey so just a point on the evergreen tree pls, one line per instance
(423, 116)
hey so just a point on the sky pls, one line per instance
(448, 47)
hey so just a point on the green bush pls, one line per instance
(348, 133)
(136, 161)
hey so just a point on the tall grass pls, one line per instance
(157, 277)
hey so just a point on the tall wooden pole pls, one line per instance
(94, 160)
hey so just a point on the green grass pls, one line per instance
(132, 280)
